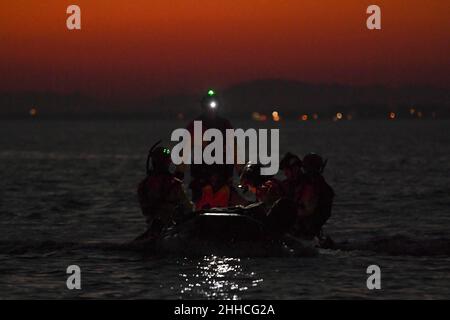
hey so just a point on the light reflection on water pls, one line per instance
(219, 278)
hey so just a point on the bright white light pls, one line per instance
(213, 104)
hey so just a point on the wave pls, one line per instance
(396, 245)
(40, 155)
(193, 249)
(32, 246)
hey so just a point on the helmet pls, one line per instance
(290, 160)
(210, 101)
(313, 163)
(251, 175)
(160, 157)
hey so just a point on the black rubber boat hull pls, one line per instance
(222, 233)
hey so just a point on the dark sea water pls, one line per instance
(67, 196)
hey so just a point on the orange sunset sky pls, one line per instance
(153, 47)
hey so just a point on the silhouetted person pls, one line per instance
(291, 165)
(161, 195)
(202, 174)
(314, 198)
(276, 212)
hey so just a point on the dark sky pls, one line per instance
(144, 48)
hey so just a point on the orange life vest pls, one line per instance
(214, 199)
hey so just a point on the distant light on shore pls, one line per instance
(339, 115)
(315, 116)
(259, 116)
(304, 117)
(33, 112)
(392, 115)
(275, 116)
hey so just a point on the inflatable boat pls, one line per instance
(232, 231)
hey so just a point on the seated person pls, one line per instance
(215, 194)
(266, 188)
(277, 212)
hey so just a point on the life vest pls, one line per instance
(290, 187)
(314, 190)
(214, 199)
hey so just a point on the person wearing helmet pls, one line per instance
(203, 174)
(291, 165)
(161, 195)
(266, 189)
(314, 198)
(313, 164)
(277, 212)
